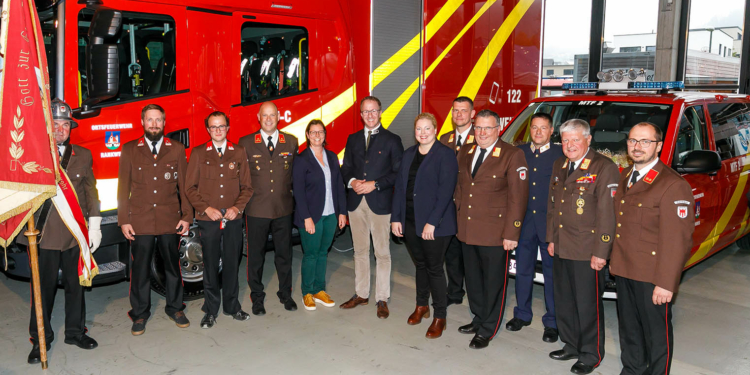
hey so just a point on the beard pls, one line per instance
(154, 137)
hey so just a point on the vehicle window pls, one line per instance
(691, 135)
(146, 51)
(610, 122)
(47, 21)
(730, 125)
(274, 61)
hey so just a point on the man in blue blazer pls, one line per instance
(371, 163)
(540, 155)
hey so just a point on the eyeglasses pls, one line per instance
(485, 129)
(644, 142)
(218, 128)
(317, 132)
(372, 112)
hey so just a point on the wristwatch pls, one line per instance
(377, 186)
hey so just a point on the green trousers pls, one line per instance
(315, 259)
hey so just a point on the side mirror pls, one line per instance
(700, 161)
(102, 61)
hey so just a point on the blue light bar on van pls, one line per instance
(663, 85)
(580, 86)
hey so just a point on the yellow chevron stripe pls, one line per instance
(395, 108)
(394, 62)
(482, 67)
(718, 229)
(743, 226)
(327, 113)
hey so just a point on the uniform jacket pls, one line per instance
(218, 182)
(655, 224)
(310, 187)
(433, 190)
(490, 207)
(55, 235)
(151, 192)
(591, 186)
(380, 163)
(540, 172)
(449, 139)
(271, 175)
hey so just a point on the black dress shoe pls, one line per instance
(550, 334)
(562, 355)
(35, 356)
(455, 301)
(479, 342)
(258, 308)
(468, 329)
(582, 368)
(290, 305)
(239, 315)
(516, 324)
(83, 342)
(208, 321)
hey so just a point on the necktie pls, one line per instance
(367, 144)
(572, 168)
(458, 144)
(153, 149)
(482, 151)
(59, 151)
(219, 150)
(270, 145)
(633, 179)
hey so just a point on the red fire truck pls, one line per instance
(314, 59)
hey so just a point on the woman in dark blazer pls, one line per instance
(424, 214)
(320, 203)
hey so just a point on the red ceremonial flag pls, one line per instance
(29, 164)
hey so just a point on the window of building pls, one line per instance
(691, 135)
(630, 49)
(274, 61)
(146, 50)
(712, 27)
(730, 123)
(650, 48)
(550, 72)
(567, 72)
(566, 41)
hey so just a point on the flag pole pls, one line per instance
(31, 234)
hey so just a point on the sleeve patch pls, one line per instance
(681, 202)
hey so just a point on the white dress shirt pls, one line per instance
(478, 151)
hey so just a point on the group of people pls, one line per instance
(461, 203)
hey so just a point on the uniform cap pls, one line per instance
(61, 111)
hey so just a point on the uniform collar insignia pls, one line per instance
(281, 138)
(472, 149)
(650, 176)
(496, 152)
(544, 148)
(585, 164)
(258, 139)
(209, 146)
(230, 146)
(566, 164)
(72, 151)
(167, 142)
(451, 138)
(471, 139)
(141, 142)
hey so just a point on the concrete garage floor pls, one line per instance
(711, 317)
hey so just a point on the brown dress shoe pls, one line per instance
(354, 302)
(436, 328)
(419, 313)
(383, 309)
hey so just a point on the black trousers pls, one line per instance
(486, 282)
(257, 236)
(142, 253)
(428, 257)
(646, 336)
(579, 309)
(50, 262)
(229, 253)
(454, 267)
